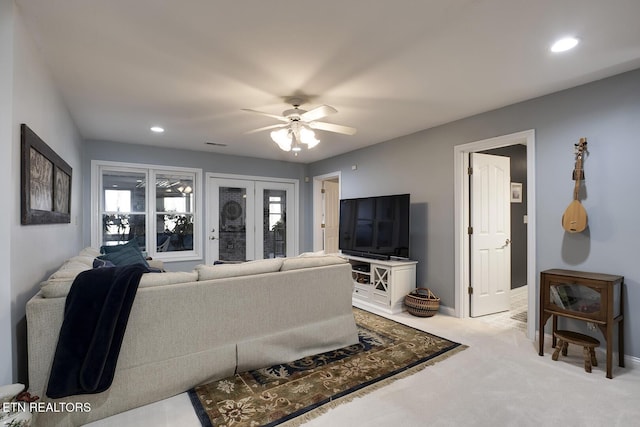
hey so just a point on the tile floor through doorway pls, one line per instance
(516, 317)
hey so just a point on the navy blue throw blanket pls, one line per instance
(95, 318)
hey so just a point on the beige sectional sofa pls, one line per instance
(187, 328)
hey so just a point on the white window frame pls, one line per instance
(97, 169)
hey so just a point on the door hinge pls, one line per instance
(469, 170)
(322, 191)
(470, 289)
(322, 225)
(469, 230)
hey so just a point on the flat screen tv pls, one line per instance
(375, 227)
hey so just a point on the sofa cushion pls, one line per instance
(167, 278)
(89, 251)
(83, 259)
(59, 288)
(56, 288)
(70, 269)
(311, 261)
(311, 254)
(207, 272)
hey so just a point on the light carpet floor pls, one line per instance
(498, 381)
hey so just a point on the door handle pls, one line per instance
(507, 242)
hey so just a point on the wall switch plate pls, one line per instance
(525, 219)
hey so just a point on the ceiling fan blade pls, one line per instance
(317, 113)
(274, 116)
(265, 128)
(333, 128)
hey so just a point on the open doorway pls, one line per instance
(326, 212)
(462, 214)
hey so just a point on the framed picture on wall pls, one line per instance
(45, 182)
(516, 192)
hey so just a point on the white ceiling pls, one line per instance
(390, 68)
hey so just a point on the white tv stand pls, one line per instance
(381, 285)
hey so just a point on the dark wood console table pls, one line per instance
(591, 297)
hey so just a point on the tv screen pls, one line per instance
(376, 227)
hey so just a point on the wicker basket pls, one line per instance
(422, 302)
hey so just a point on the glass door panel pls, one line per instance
(233, 224)
(274, 220)
(231, 233)
(275, 206)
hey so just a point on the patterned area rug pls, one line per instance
(293, 393)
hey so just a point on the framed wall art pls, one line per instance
(45, 182)
(516, 192)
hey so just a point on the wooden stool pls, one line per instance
(588, 343)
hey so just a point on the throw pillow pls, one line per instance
(125, 256)
(106, 249)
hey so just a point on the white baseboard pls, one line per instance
(447, 310)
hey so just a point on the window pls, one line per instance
(163, 217)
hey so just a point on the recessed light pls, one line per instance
(564, 44)
(157, 129)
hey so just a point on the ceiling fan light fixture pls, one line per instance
(308, 137)
(300, 126)
(283, 138)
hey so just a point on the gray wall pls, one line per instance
(208, 162)
(518, 160)
(6, 163)
(607, 112)
(32, 252)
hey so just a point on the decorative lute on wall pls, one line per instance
(574, 219)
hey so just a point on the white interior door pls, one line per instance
(331, 214)
(231, 222)
(490, 239)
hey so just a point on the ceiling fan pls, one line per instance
(299, 124)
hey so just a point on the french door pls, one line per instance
(250, 219)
